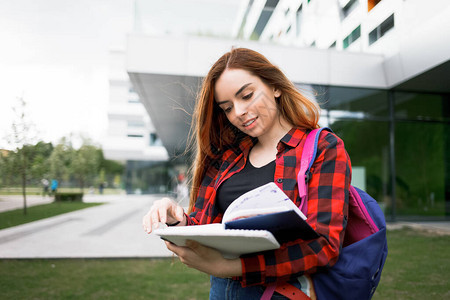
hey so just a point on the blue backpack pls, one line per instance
(358, 270)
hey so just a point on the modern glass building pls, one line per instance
(379, 69)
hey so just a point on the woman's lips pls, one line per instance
(249, 122)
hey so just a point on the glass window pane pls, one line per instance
(415, 106)
(349, 7)
(367, 143)
(356, 33)
(421, 155)
(345, 42)
(264, 18)
(373, 36)
(387, 25)
(342, 102)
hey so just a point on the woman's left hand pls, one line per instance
(205, 259)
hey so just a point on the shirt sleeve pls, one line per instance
(204, 211)
(328, 193)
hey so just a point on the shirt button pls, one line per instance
(279, 180)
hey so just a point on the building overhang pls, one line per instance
(167, 73)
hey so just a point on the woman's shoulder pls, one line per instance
(298, 134)
(329, 137)
(330, 142)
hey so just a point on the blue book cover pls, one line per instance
(285, 225)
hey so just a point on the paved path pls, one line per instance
(16, 201)
(436, 227)
(110, 230)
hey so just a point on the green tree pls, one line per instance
(40, 167)
(6, 168)
(85, 164)
(21, 138)
(60, 160)
(113, 170)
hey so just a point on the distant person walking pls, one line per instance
(101, 186)
(45, 185)
(54, 186)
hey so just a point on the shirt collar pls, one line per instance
(247, 143)
(293, 137)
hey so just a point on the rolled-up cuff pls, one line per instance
(253, 270)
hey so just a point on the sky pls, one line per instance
(54, 54)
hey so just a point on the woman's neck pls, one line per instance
(266, 149)
(271, 139)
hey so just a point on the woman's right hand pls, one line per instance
(165, 211)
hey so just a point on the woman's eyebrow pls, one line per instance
(242, 88)
(237, 93)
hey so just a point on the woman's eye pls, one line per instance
(227, 109)
(248, 96)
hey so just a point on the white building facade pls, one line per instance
(379, 69)
(131, 137)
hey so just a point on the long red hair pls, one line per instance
(211, 131)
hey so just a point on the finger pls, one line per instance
(192, 244)
(162, 214)
(177, 250)
(175, 211)
(195, 246)
(170, 245)
(146, 222)
(154, 220)
(179, 213)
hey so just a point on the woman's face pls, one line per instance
(247, 101)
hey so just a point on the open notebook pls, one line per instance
(259, 220)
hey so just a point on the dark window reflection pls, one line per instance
(367, 143)
(421, 156)
(342, 103)
(422, 107)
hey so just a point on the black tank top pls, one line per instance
(247, 179)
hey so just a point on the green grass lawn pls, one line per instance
(417, 268)
(101, 279)
(16, 217)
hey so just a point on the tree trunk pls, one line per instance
(24, 183)
(24, 193)
(81, 183)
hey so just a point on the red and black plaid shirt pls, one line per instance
(328, 193)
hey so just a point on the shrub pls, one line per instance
(69, 196)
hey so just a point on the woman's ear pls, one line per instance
(276, 93)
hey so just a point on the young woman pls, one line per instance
(250, 126)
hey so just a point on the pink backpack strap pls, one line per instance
(268, 292)
(307, 159)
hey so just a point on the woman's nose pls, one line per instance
(240, 108)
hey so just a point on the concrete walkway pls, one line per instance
(110, 230)
(435, 227)
(16, 201)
